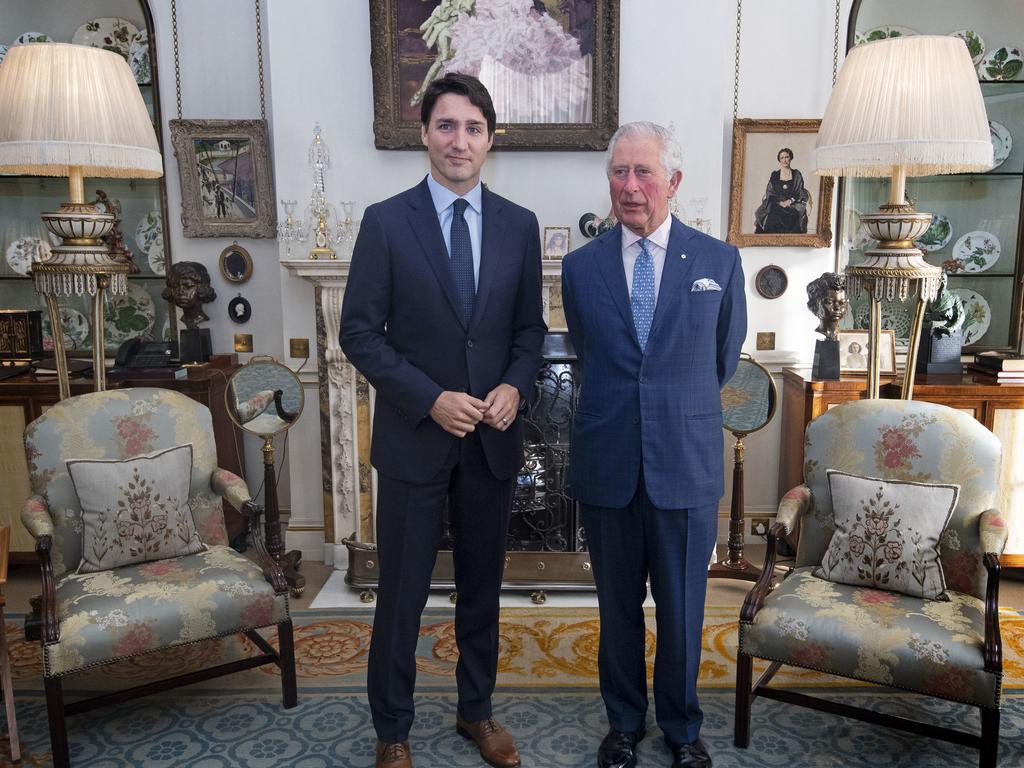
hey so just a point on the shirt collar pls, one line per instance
(659, 236)
(444, 197)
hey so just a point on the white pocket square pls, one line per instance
(705, 284)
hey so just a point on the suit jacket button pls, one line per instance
(469, 343)
(642, 380)
(636, 419)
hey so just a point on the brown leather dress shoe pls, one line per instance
(495, 743)
(393, 755)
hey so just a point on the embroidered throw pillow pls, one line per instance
(135, 510)
(887, 534)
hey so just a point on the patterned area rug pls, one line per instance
(547, 696)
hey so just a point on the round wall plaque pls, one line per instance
(771, 281)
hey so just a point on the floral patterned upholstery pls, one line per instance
(905, 440)
(928, 646)
(906, 642)
(118, 424)
(135, 609)
(132, 610)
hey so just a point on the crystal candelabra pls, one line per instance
(698, 221)
(290, 229)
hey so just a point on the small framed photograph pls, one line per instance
(775, 198)
(227, 188)
(853, 352)
(556, 242)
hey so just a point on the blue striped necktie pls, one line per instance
(462, 260)
(642, 300)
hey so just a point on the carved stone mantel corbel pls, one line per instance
(343, 404)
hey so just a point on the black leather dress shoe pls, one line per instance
(692, 755)
(618, 749)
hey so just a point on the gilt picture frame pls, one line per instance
(554, 78)
(227, 185)
(765, 207)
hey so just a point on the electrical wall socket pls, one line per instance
(298, 348)
(759, 525)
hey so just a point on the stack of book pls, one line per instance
(1004, 366)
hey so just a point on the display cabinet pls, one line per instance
(976, 230)
(125, 26)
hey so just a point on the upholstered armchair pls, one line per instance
(948, 648)
(100, 615)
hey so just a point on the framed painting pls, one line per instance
(227, 187)
(772, 201)
(551, 67)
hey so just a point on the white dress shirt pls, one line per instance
(657, 246)
(444, 199)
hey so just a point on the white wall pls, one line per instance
(676, 65)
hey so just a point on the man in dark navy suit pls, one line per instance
(443, 316)
(657, 315)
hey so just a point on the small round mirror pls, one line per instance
(235, 264)
(264, 397)
(748, 398)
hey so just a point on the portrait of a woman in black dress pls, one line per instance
(783, 209)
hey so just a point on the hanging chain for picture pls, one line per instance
(259, 57)
(736, 62)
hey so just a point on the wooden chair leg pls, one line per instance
(58, 726)
(8, 689)
(286, 651)
(744, 681)
(989, 737)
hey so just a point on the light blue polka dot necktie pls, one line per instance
(462, 260)
(642, 300)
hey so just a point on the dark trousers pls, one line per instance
(673, 547)
(409, 518)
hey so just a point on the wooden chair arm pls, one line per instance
(48, 603)
(993, 641)
(764, 584)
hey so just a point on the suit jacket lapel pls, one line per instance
(609, 261)
(676, 268)
(424, 223)
(490, 250)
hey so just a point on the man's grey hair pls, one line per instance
(671, 154)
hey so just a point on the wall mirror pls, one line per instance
(235, 264)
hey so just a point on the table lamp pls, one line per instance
(889, 115)
(73, 110)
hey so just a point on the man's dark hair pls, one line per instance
(461, 85)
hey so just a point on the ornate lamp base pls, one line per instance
(894, 271)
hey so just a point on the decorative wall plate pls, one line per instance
(108, 33)
(976, 252)
(1001, 64)
(937, 235)
(894, 318)
(977, 314)
(25, 251)
(128, 315)
(74, 325)
(1002, 143)
(32, 37)
(149, 237)
(138, 59)
(771, 281)
(975, 44)
(882, 33)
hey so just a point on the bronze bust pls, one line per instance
(188, 286)
(826, 298)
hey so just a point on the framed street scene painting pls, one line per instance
(775, 198)
(551, 67)
(227, 188)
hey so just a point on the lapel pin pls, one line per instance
(682, 255)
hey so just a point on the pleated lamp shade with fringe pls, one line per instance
(72, 106)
